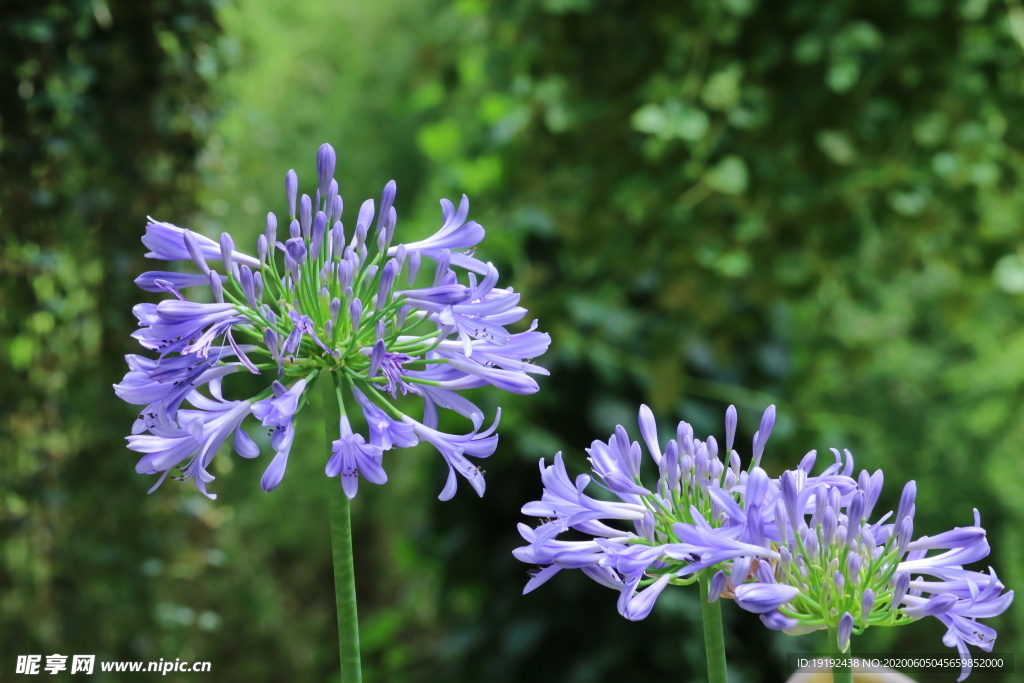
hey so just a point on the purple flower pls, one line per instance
(320, 302)
(171, 325)
(148, 281)
(166, 447)
(670, 535)
(389, 365)
(326, 159)
(385, 431)
(162, 386)
(454, 449)
(205, 430)
(278, 411)
(753, 534)
(167, 242)
(455, 233)
(821, 561)
(714, 546)
(353, 457)
(638, 606)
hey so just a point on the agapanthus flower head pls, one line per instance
(640, 559)
(829, 566)
(321, 301)
(801, 550)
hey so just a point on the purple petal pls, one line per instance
(274, 473)
(640, 605)
(777, 621)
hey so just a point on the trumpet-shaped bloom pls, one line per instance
(354, 457)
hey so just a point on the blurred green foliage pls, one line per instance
(812, 204)
(103, 113)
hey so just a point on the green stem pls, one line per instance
(341, 544)
(714, 637)
(842, 673)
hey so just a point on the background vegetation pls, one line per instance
(812, 204)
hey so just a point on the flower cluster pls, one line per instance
(322, 303)
(799, 550)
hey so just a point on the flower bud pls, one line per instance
(262, 249)
(853, 565)
(760, 598)
(844, 631)
(227, 245)
(387, 279)
(291, 188)
(387, 198)
(363, 222)
(904, 533)
(355, 313)
(337, 204)
(762, 434)
(868, 544)
(334, 309)
(326, 160)
(316, 243)
(337, 240)
(828, 528)
(403, 313)
(217, 287)
(900, 588)
(389, 226)
(248, 286)
(730, 427)
(906, 508)
(867, 601)
(306, 215)
(271, 230)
